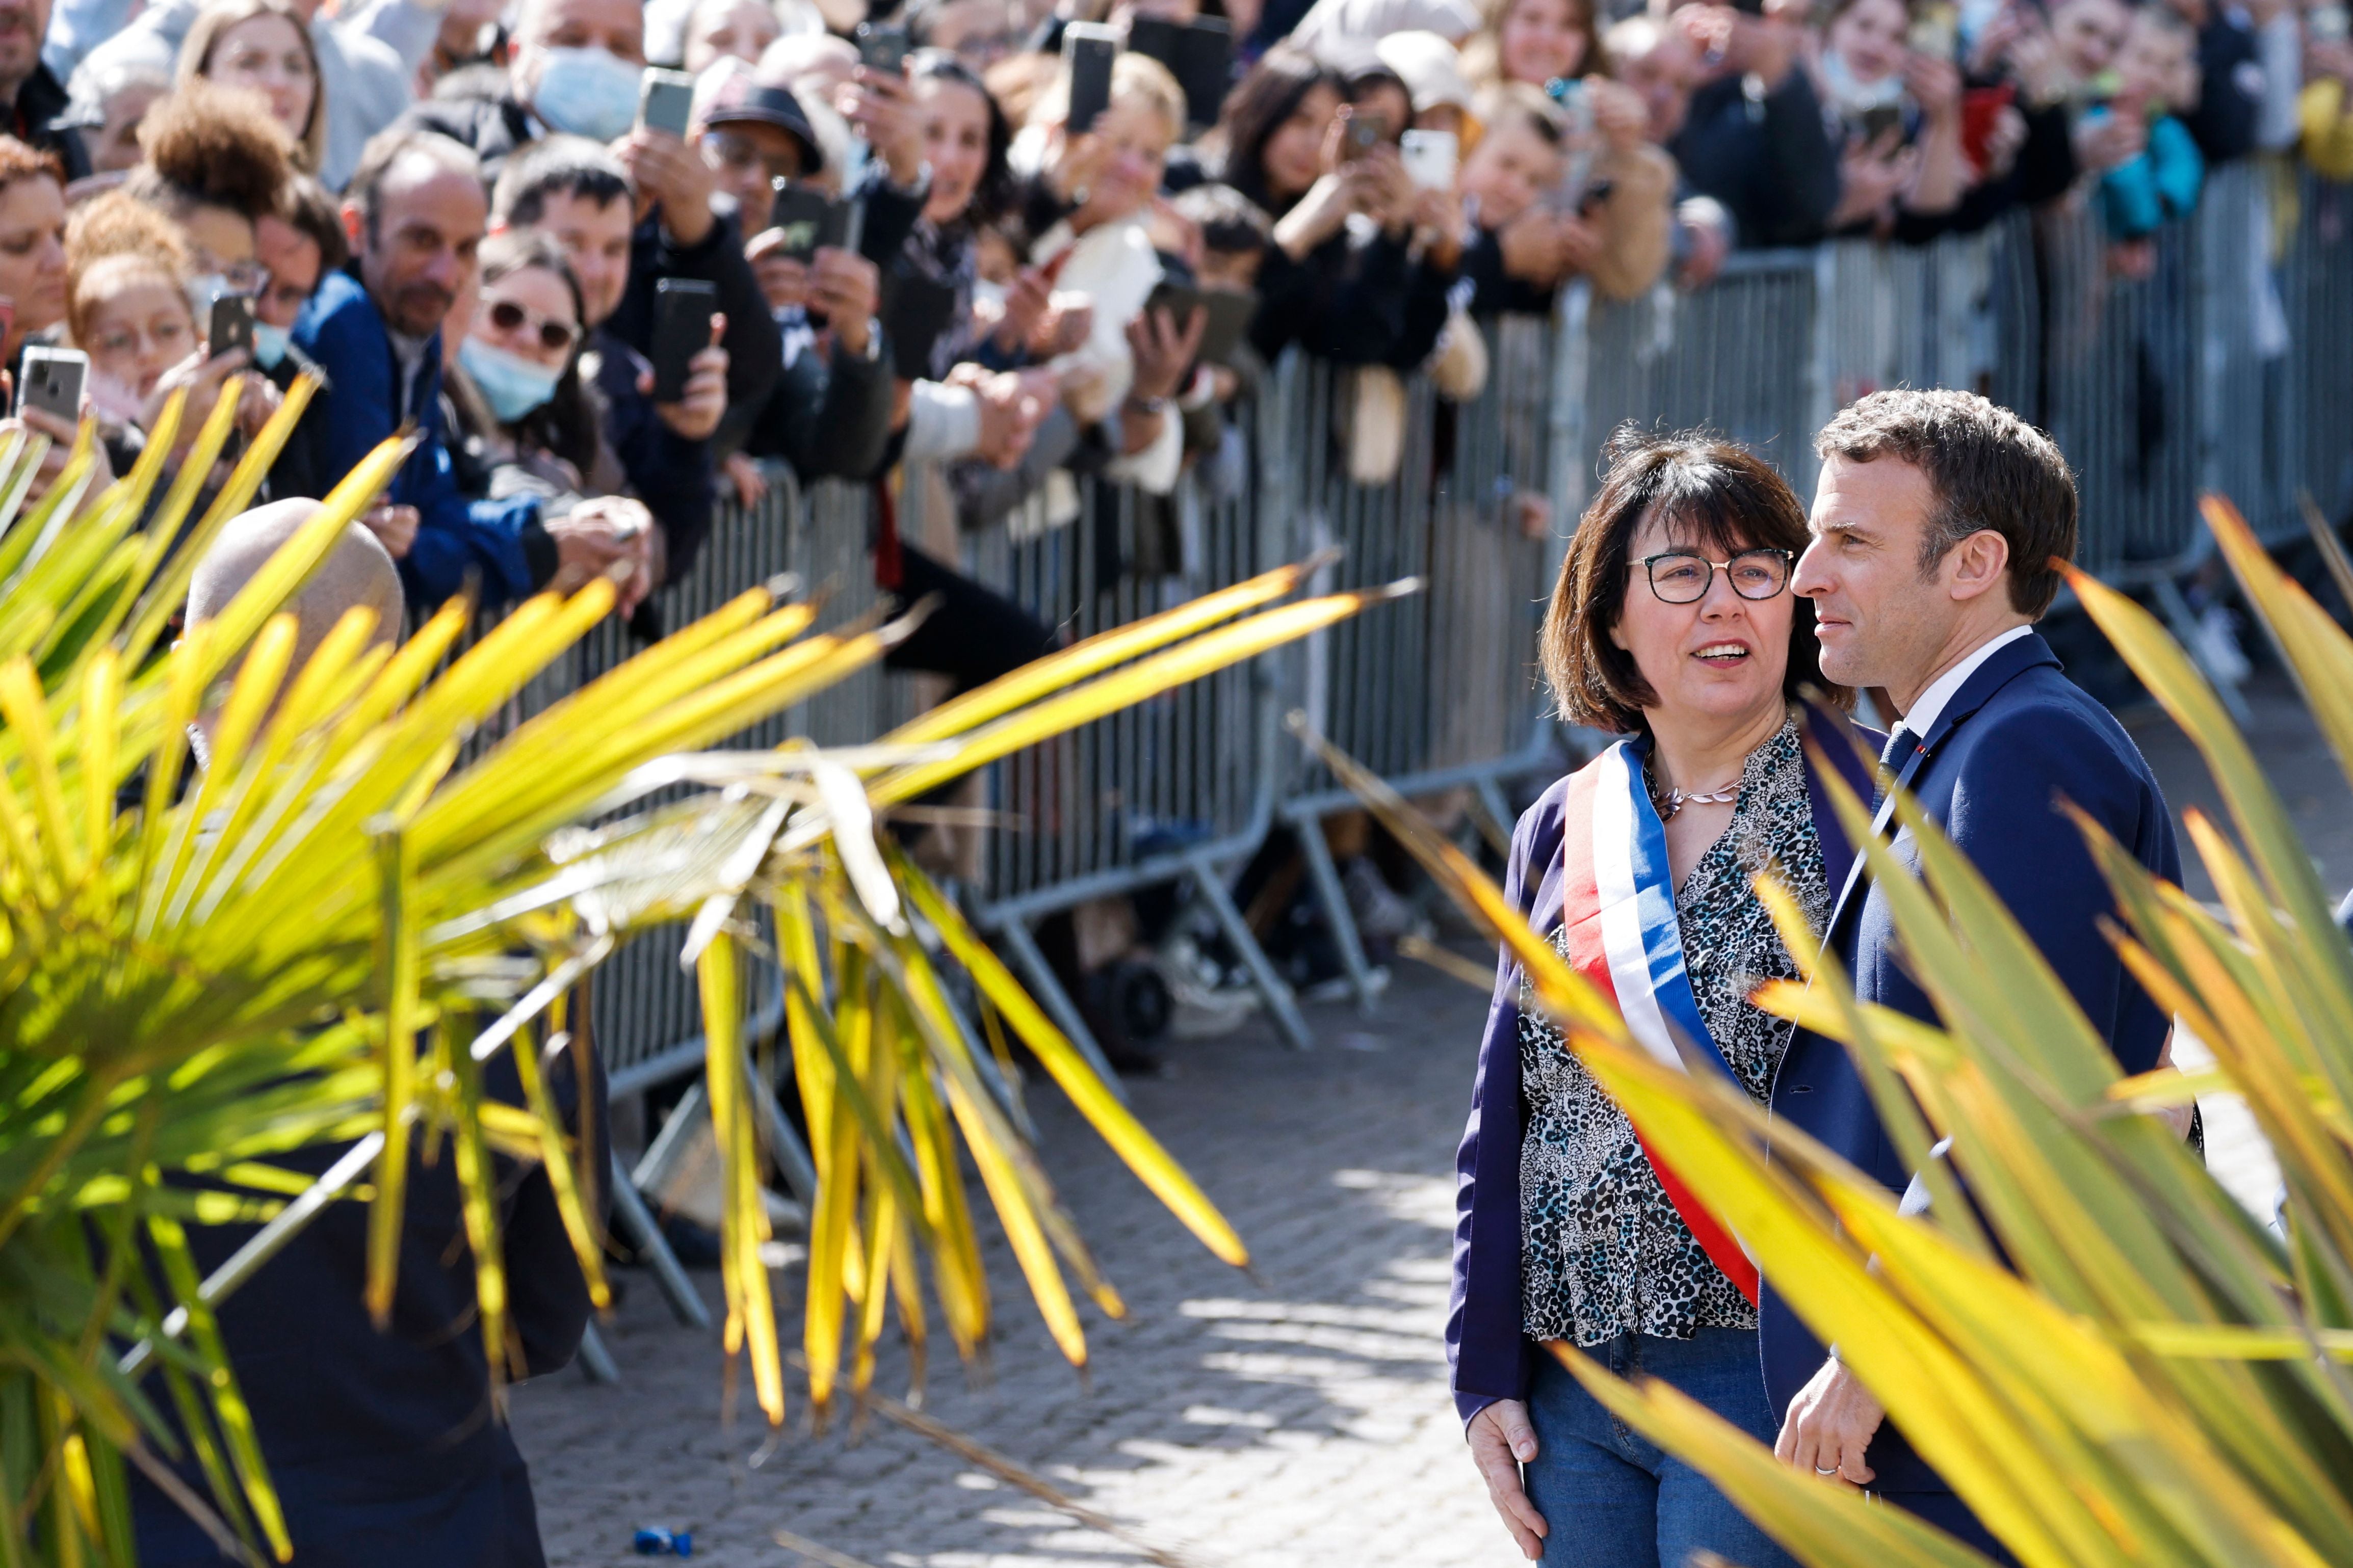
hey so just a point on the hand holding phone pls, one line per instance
(51, 380)
(231, 326)
(1432, 158)
(666, 102)
(882, 49)
(1087, 50)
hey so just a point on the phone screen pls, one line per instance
(666, 102)
(882, 49)
(1087, 54)
(682, 311)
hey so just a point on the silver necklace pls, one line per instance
(1669, 809)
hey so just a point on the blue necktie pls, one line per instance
(1890, 762)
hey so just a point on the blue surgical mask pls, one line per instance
(587, 92)
(270, 344)
(510, 383)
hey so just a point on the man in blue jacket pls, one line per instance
(417, 214)
(1935, 523)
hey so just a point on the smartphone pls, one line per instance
(232, 324)
(845, 227)
(51, 381)
(1981, 110)
(1231, 314)
(1879, 120)
(917, 313)
(1087, 53)
(666, 102)
(1935, 31)
(1430, 158)
(803, 213)
(882, 49)
(682, 311)
(1179, 300)
(1364, 133)
(1199, 54)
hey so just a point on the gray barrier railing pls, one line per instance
(2230, 367)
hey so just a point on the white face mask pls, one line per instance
(587, 92)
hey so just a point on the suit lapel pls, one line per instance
(2007, 664)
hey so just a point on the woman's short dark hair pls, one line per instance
(565, 423)
(1714, 494)
(1256, 109)
(992, 197)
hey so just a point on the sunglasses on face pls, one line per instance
(507, 316)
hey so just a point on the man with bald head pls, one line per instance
(358, 573)
(417, 214)
(386, 1447)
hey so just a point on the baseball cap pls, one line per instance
(729, 94)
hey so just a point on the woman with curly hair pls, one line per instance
(217, 162)
(261, 46)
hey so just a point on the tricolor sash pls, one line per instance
(1618, 914)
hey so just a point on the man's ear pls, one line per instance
(1980, 563)
(353, 224)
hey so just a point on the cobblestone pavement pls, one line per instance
(1292, 1417)
(1296, 1418)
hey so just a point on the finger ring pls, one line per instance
(1831, 1471)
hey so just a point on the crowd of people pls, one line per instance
(910, 259)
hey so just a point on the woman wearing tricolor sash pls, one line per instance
(1671, 625)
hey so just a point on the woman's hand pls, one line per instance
(1500, 1442)
(1317, 216)
(744, 477)
(2110, 141)
(1872, 175)
(1068, 321)
(1025, 305)
(203, 379)
(882, 108)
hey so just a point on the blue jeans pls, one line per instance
(1615, 1500)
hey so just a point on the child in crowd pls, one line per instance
(2157, 77)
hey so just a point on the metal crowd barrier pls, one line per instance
(2227, 368)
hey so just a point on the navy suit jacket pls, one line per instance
(1484, 1344)
(2017, 738)
(500, 543)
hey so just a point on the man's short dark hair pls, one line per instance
(388, 147)
(1989, 469)
(312, 213)
(558, 167)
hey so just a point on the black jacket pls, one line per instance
(1353, 305)
(493, 127)
(830, 416)
(384, 1446)
(755, 353)
(1495, 291)
(1767, 159)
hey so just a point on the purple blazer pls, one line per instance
(1484, 1345)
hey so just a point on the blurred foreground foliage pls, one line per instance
(326, 933)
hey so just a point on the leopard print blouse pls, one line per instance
(1604, 1253)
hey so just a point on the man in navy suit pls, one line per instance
(1936, 524)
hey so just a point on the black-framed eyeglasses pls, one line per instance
(1680, 577)
(508, 316)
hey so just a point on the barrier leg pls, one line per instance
(1279, 999)
(596, 1361)
(1333, 897)
(636, 1224)
(1040, 975)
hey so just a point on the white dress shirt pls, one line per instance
(1929, 706)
